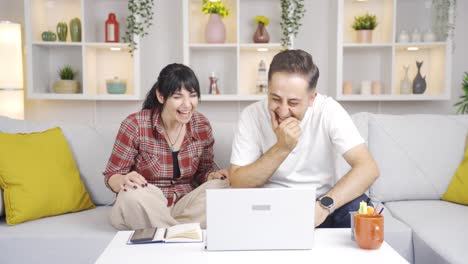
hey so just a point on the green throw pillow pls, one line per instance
(457, 191)
(39, 176)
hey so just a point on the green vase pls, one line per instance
(75, 29)
(48, 36)
(62, 30)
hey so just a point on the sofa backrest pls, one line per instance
(417, 154)
(91, 148)
(223, 133)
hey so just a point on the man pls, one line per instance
(290, 139)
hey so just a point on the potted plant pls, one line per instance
(292, 11)
(261, 34)
(215, 31)
(364, 25)
(66, 84)
(463, 104)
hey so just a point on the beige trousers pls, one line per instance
(147, 207)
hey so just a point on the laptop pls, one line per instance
(260, 219)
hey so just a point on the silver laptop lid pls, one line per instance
(260, 218)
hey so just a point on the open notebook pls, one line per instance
(183, 233)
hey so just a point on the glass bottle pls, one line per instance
(214, 88)
(262, 78)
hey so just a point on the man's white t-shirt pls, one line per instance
(326, 128)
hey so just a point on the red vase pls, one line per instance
(261, 34)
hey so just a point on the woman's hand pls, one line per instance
(219, 174)
(132, 180)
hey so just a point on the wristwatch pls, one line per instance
(327, 203)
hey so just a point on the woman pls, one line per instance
(160, 156)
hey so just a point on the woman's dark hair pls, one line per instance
(171, 79)
(295, 61)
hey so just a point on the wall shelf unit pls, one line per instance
(383, 59)
(236, 61)
(94, 60)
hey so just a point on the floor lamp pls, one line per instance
(11, 71)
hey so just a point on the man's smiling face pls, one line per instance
(289, 96)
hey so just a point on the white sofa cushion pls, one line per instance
(69, 238)
(398, 235)
(439, 229)
(417, 154)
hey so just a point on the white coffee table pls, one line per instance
(331, 246)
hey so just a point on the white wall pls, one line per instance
(164, 45)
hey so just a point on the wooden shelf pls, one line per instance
(212, 46)
(57, 43)
(235, 62)
(383, 59)
(232, 97)
(94, 60)
(367, 45)
(393, 97)
(103, 97)
(257, 46)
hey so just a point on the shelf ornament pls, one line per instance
(364, 25)
(215, 30)
(292, 11)
(66, 84)
(139, 20)
(261, 34)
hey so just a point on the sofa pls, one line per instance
(417, 156)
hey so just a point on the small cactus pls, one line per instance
(62, 30)
(66, 73)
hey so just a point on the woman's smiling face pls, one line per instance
(180, 105)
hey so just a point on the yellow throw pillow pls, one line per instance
(39, 176)
(457, 191)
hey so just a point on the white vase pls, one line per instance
(366, 87)
(429, 36)
(416, 36)
(403, 37)
(405, 83)
(215, 31)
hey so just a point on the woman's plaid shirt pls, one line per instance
(140, 146)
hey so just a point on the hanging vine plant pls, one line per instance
(139, 20)
(443, 18)
(292, 11)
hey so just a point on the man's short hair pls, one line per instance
(295, 61)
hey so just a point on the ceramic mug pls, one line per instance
(369, 230)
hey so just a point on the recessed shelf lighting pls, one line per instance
(413, 48)
(115, 49)
(262, 49)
